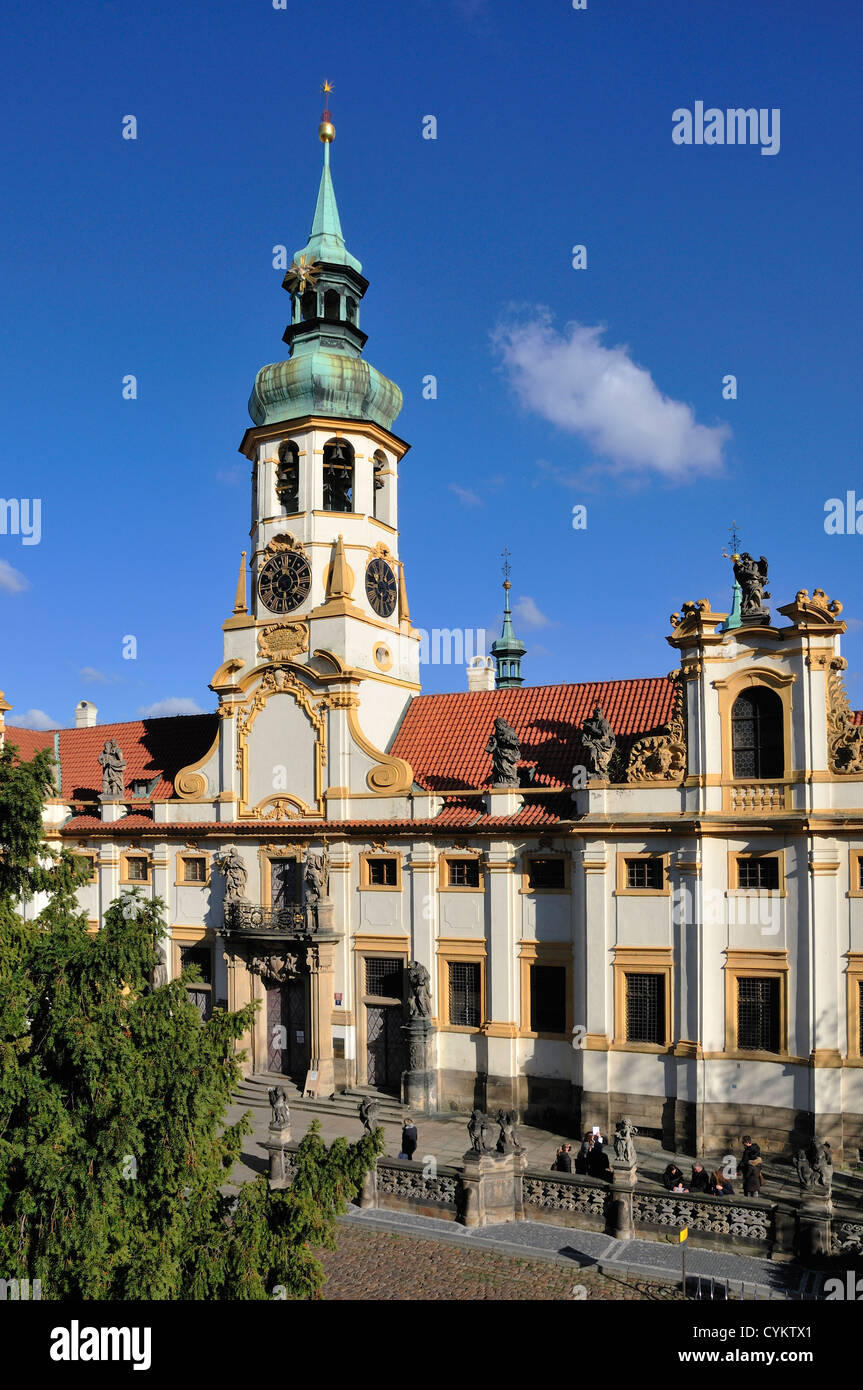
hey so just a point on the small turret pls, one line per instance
(507, 650)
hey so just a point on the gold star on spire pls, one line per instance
(328, 86)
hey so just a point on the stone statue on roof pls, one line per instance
(751, 575)
(598, 743)
(505, 752)
(113, 766)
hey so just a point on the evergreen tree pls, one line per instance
(113, 1150)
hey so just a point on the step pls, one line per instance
(253, 1092)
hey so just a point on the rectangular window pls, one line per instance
(201, 992)
(464, 993)
(645, 873)
(137, 869)
(382, 873)
(860, 1017)
(384, 977)
(758, 872)
(758, 1019)
(462, 873)
(860, 873)
(194, 869)
(645, 1008)
(548, 999)
(546, 873)
(88, 861)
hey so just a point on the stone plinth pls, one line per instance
(492, 1185)
(623, 1180)
(813, 1237)
(112, 808)
(419, 1081)
(281, 1157)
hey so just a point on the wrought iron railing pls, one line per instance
(295, 920)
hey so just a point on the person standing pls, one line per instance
(750, 1167)
(409, 1139)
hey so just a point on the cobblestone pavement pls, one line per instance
(384, 1265)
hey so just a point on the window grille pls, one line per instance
(464, 993)
(463, 873)
(756, 734)
(384, 977)
(758, 1014)
(546, 873)
(645, 1008)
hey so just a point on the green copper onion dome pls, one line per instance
(325, 373)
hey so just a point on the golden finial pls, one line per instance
(326, 129)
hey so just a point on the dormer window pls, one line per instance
(338, 476)
(756, 734)
(288, 476)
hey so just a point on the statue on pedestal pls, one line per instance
(598, 743)
(505, 752)
(508, 1139)
(368, 1112)
(279, 1105)
(113, 766)
(477, 1128)
(231, 865)
(815, 1167)
(751, 575)
(419, 1000)
(316, 877)
(624, 1147)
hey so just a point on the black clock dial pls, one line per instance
(381, 588)
(284, 581)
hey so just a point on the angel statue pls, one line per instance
(505, 752)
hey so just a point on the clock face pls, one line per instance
(381, 588)
(285, 581)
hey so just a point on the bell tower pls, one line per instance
(324, 554)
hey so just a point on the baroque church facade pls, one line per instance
(572, 901)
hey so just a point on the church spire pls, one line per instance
(507, 650)
(326, 241)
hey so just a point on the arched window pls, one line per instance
(338, 476)
(332, 305)
(309, 304)
(756, 734)
(379, 465)
(288, 476)
(351, 310)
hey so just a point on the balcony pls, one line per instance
(293, 921)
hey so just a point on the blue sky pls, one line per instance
(556, 386)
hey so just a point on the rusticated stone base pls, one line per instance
(684, 1127)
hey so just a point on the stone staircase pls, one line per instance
(252, 1094)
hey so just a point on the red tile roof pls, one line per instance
(155, 751)
(443, 737)
(466, 816)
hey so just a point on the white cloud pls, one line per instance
(599, 393)
(91, 676)
(466, 495)
(34, 719)
(12, 581)
(526, 613)
(175, 704)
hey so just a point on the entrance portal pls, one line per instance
(287, 1029)
(384, 1046)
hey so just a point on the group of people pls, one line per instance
(590, 1159)
(716, 1184)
